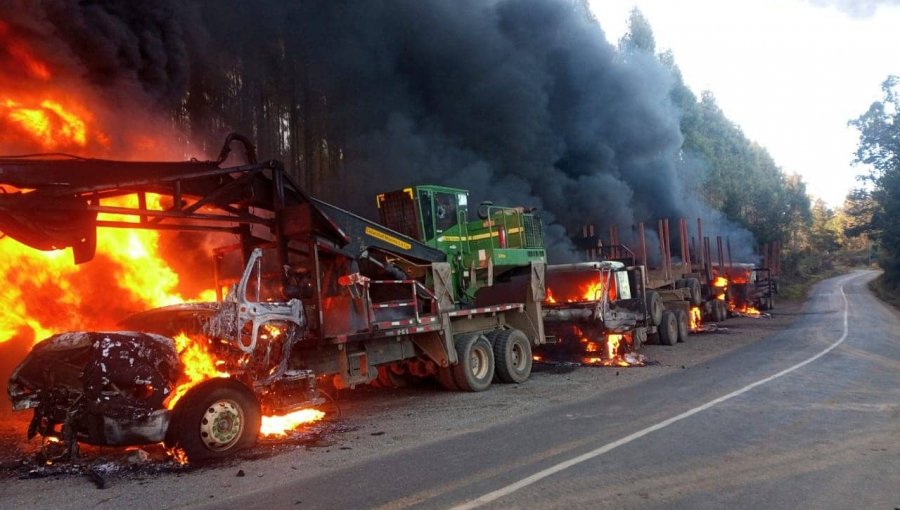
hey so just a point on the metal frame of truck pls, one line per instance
(338, 329)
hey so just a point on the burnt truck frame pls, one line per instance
(676, 288)
(750, 286)
(315, 299)
(619, 308)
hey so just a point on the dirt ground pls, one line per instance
(369, 422)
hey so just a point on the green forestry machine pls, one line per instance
(501, 242)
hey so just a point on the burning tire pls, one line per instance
(668, 328)
(215, 419)
(684, 327)
(655, 308)
(512, 356)
(475, 366)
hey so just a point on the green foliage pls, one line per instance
(639, 35)
(825, 232)
(743, 180)
(879, 149)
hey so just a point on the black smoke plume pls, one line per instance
(523, 102)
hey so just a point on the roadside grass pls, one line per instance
(884, 292)
(795, 287)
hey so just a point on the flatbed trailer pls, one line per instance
(322, 294)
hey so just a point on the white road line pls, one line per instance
(540, 475)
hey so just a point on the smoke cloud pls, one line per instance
(523, 102)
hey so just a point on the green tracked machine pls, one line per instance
(501, 242)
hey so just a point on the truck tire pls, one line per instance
(638, 338)
(668, 328)
(696, 292)
(717, 315)
(512, 356)
(655, 307)
(724, 306)
(214, 419)
(475, 368)
(684, 327)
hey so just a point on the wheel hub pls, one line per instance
(221, 425)
(517, 357)
(479, 363)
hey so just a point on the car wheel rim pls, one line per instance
(221, 425)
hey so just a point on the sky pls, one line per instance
(790, 73)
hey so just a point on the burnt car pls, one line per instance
(113, 388)
(102, 388)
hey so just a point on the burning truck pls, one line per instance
(319, 294)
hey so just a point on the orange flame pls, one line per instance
(696, 318)
(611, 349)
(549, 297)
(281, 425)
(197, 363)
(20, 54)
(48, 122)
(612, 346)
(745, 310)
(46, 293)
(592, 291)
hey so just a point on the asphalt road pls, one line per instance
(807, 417)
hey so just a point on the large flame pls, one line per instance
(46, 293)
(590, 291)
(35, 111)
(47, 106)
(612, 346)
(696, 318)
(281, 425)
(200, 365)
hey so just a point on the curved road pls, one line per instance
(807, 417)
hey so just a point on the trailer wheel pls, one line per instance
(655, 307)
(716, 311)
(724, 306)
(475, 368)
(668, 328)
(696, 292)
(684, 328)
(215, 419)
(638, 338)
(512, 356)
